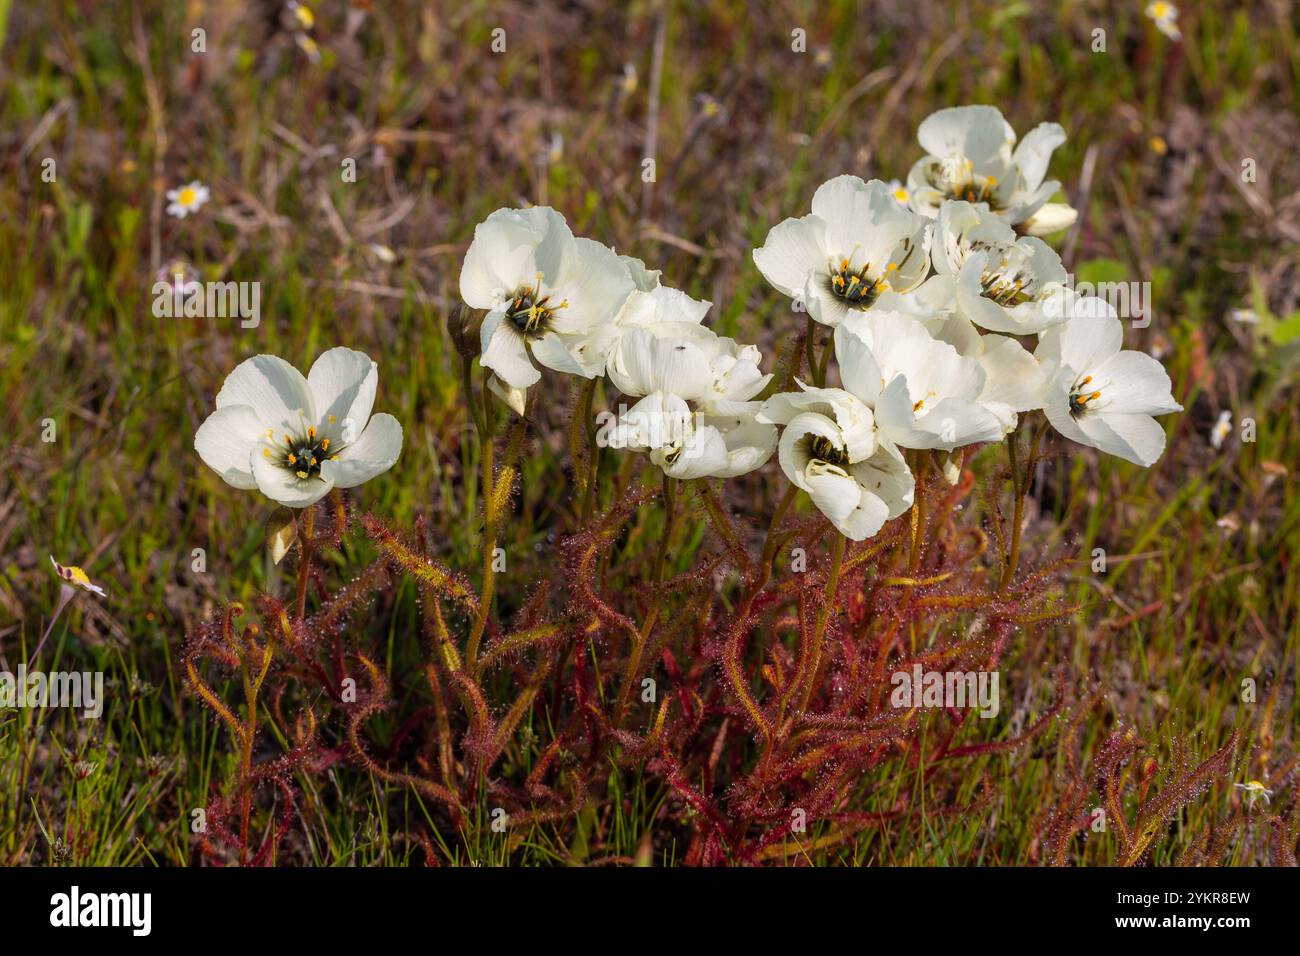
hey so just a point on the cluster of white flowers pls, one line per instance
(929, 302)
(934, 361)
(574, 305)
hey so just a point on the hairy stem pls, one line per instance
(1020, 485)
(919, 515)
(487, 479)
(656, 579)
(305, 529)
(734, 652)
(823, 618)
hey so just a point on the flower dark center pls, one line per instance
(854, 286)
(531, 310)
(825, 450)
(956, 179)
(1080, 397)
(302, 454)
(1005, 290)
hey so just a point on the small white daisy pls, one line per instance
(1165, 16)
(187, 199)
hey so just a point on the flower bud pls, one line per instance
(461, 328)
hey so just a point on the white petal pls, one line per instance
(838, 496)
(644, 279)
(1091, 335)
(1035, 152)
(505, 353)
(561, 353)
(502, 256)
(702, 454)
(1012, 375)
(859, 370)
(978, 133)
(373, 453)
(1136, 438)
(885, 476)
(954, 423)
(275, 389)
(750, 443)
(642, 363)
(1134, 383)
(343, 383)
(792, 250)
(516, 398)
(849, 207)
(594, 282)
(226, 440)
(1051, 217)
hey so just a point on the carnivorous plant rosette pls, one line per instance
(295, 438)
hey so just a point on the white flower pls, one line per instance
(686, 444)
(924, 393)
(659, 312)
(999, 283)
(962, 229)
(687, 360)
(829, 450)
(547, 293)
(670, 360)
(187, 199)
(1013, 379)
(1221, 429)
(854, 421)
(857, 244)
(1099, 395)
(1165, 17)
(718, 446)
(295, 438)
(971, 157)
(77, 577)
